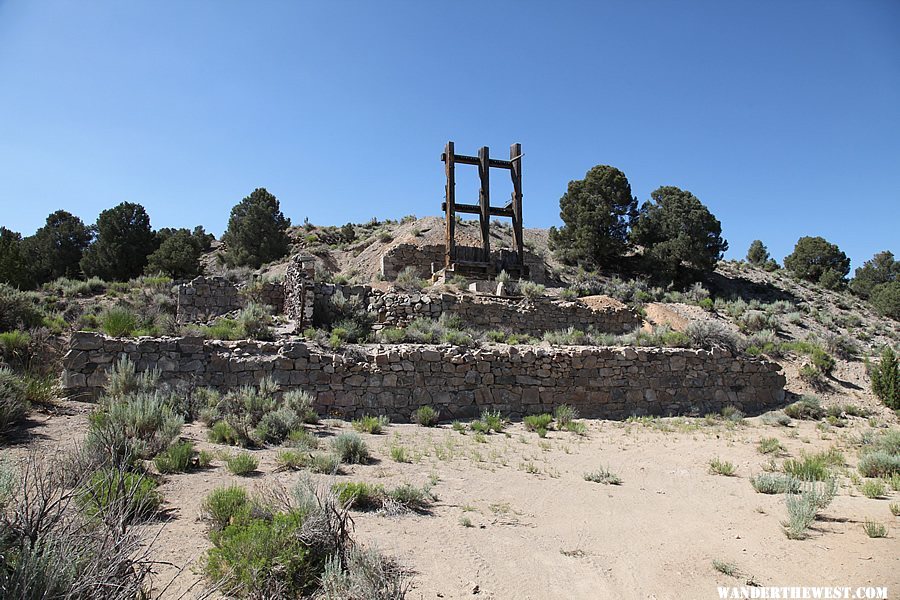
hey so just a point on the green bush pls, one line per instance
(242, 463)
(537, 422)
(222, 433)
(15, 347)
(18, 310)
(493, 420)
(885, 299)
(275, 426)
(391, 335)
(408, 279)
(13, 401)
(145, 418)
(124, 240)
(885, 377)
(565, 415)
(118, 321)
(879, 464)
(350, 448)
(360, 495)
(809, 467)
(225, 504)
(370, 424)
(426, 416)
(176, 458)
(254, 322)
(775, 483)
(807, 407)
(112, 491)
(873, 488)
(813, 257)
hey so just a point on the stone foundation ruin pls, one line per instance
(461, 382)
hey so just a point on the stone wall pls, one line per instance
(460, 382)
(299, 289)
(517, 315)
(205, 298)
(429, 258)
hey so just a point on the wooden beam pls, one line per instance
(450, 203)
(515, 159)
(462, 159)
(484, 200)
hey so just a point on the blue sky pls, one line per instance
(783, 117)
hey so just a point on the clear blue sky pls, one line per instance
(783, 117)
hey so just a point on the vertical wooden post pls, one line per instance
(450, 217)
(484, 200)
(515, 157)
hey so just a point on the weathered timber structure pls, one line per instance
(475, 261)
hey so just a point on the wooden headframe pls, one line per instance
(484, 210)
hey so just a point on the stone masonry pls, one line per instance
(601, 382)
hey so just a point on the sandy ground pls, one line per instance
(539, 530)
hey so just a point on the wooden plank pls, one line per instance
(462, 159)
(475, 209)
(449, 204)
(515, 158)
(484, 199)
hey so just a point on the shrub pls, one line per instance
(565, 415)
(770, 446)
(879, 464)
(810, 467)
(360, 495)
(118, 321)
(120, 492)
(873, 488)
(124, 239)
(275, 426)
(350, 448)
(291, 460)
(530, 289)
(411, 497)
(254, 322)
(493, 420)
(364, 574)
(370, 424)
(885, 299)
(301, 403)
(242, 463)
(720, 467)
(603, 475)
(302, 439)
(13, 402)
(398, 454)
(176, 458)
(711, 334)
(18, 310)
(426, 416)
(775, 483)
(408, 279)
(874, 529)
(225, 504)
(391, 335)
(894, 508)
(222, 433)
(885, 377)
(325, 463)
(801, 514)
(807, 407)
(537, 422)
(15, 347)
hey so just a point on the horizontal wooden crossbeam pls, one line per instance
(473, 160)
(474, 209)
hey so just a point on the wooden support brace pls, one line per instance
(484, 200)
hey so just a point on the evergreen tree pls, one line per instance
(257, 231)
(123, 242)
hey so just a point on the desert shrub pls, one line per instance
(873, 488)
(275, 426)
(885, 378)
(721, 467)
(770, 445)
(363, 574)
(885, 299)
(15, 347)
(874, 529)
(371, 424)
(327, 463)
(301, 402)
(118, 321)
(426, 416)
(222, 329)
(225, 504)
(360, 495)
(391, 335)
(254, 322)
(809, 467)
(18, 310)
(805, 505)
(222, 433)
(120, 492)
(568, 294)
(757, 320)
(775, 483)
(711, 334)
(302, 439)
(493, 420)
(410, 497)
(732, 414)
(879, 463)
(13, 400)
(291, 460)
(564, 415)
(176, 458)
(350, 448)
(145, 418)
(242, 463)
(244, 409)
(398, 454)
(530, 289)
(349, 314)
(603, 475)
(408, 279)
(537, 422)
(807, 407)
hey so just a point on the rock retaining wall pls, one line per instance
(460, 382)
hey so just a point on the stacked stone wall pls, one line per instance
(459, 382)
(204, 298)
